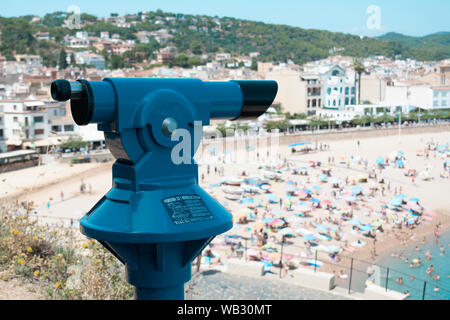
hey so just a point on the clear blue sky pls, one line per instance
(411, 17)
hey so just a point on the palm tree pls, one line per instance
(359, 69)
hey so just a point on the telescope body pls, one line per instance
(156, 219)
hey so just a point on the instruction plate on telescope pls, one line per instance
(187, 208)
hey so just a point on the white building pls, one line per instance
(338, 88)
(89, 58)
(315, 88)
(21, 120)
(423, 96)
(223, 56)
(441, 97)
(104, 35)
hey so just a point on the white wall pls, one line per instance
(291, 90)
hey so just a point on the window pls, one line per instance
(335, 73)
(353, 90)
(353, 101)
(38, 132)
(346, 101)
(1, 133)
(14, 107)
(16, 119)
(329, 90)
(56, 128)
(38, 119)
(68, 127)
(346, 91)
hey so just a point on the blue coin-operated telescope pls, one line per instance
(156, 219)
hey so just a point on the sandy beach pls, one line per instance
(349, 164)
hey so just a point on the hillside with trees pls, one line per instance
(194, 35)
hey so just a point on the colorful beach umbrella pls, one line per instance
(376, 224)
(357, 189)
(336, 181)
(309, 237)
(396, 202)
(275, 221)
(366, 228)
(287, 232)
(322, 227)
(299, 144)
(271, 197)
(267, 220)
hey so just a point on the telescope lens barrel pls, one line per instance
(240, 100)
(95, 101)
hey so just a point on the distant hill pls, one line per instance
(435, 46)
(195, 35)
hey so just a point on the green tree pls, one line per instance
(73, 61)
(196, 47)
(359, 70)
(62, 59)
(116, 62)
(74, 142)
(281, 125)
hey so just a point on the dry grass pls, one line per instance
(58, 261)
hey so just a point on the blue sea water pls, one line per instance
(441, 263)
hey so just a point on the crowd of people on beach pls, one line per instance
(321, 203)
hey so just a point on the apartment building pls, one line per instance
(441, 97)
(322, 87)
(21, 120)
(339, 88)
(89, 58)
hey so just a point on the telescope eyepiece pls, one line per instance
(63, 90)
